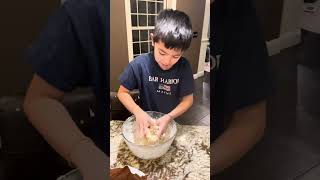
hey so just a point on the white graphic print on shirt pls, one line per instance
(164, 84)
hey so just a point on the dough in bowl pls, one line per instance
(151, 136)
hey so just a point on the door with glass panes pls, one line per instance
(141, 16)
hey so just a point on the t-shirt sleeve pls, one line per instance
(186, 81)
(127, 78)
(56, 55)
(244, 76)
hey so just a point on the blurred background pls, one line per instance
(23, 152)
(290, 148)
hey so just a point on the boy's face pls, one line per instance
(165, 58)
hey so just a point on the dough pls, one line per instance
(150, 137)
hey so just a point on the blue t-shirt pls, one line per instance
(72, 50)
(242, 77)
(160, 90)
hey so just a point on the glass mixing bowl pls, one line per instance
(152, 151)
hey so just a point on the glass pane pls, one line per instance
(136, 48)
(135, 35)
(134, 21)
(159, 7)
(142, 20)
(144, 35)
(151, 8)
(144, 47)
(133, 4)
(151, 20)
(142, 7)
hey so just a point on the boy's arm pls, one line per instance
(126, 99)
(46, 113)
(245, 130)
(142, 118)
(182, 107)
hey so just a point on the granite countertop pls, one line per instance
(187, 158)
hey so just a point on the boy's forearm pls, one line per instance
(182, 107)
(54, 123)
(245, 130)
(126, 99)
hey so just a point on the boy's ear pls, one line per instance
(151, 37)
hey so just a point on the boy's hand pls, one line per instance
(99, 167)
(143, 121)
(91, 161)
(163, 123)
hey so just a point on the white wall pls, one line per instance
(290, 27)
(172, 4)
(204, 40)
(292, 11)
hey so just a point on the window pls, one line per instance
(142, 17)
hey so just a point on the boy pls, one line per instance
(163, 77)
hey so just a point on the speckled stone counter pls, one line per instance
(187, 158)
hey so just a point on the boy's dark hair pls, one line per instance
(174, 29)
